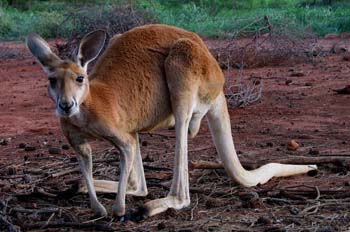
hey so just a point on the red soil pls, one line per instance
(306, 109)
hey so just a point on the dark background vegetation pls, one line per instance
(217, 18)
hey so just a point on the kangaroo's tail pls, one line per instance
(220, 127)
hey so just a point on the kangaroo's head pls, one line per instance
(69, 83)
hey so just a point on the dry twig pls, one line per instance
(75, 225)
(345, 161)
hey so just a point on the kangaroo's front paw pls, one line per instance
(99, 210)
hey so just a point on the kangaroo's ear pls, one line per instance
(89, 48)
(41, 50)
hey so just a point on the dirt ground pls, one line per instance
(38, 170)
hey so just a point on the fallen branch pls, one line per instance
(4, 222)
(154, 168)
(44, 193)
(159, 176)
(314, 208)
(12, 177)
(35, 192)
(65, 172)
(337, 160)
(296, 193)
(189, 150)
(201, 164)
(201, 148)
(75, 225)
(8, 225)
(106, 160)
(36, 211)
(277, 200)
(164, 135)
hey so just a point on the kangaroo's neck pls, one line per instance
(101, 103)
(93, 99)
(88, 98)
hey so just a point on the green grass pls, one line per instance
(49, 19)
(15, 24)
(225, 22)
(215, 18)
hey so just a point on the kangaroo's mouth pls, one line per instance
(67, 113)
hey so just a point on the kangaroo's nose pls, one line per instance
(66, 106)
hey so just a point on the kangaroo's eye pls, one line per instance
(53, 81)
(80, 79)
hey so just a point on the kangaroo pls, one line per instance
(150, 77)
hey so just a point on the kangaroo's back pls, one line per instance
(141, 50)
(132, 69)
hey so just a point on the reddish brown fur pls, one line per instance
(144, 50)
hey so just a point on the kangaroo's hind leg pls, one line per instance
(137, 182)
(184, 72)
(182, 88)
